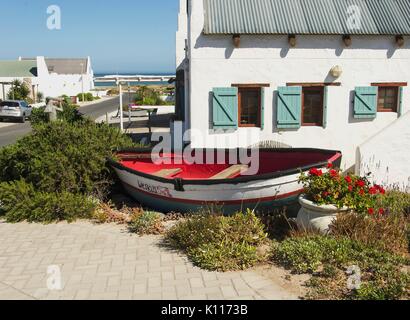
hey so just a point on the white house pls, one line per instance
(52, 77)
(304, 73)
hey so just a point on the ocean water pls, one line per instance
(113, 84)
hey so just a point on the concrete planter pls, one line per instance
(313, 217)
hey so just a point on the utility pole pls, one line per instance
(121, 108)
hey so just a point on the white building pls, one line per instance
(52, 77)
(305, 73)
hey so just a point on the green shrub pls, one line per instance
(307, 254)
(216, 242)
(64, 157)
(87, 97)
(69, 114)
(387, 283)
(38, 116)
(146, 222)
(225, 256)
(195, 231)
(21, 202)
(328, 258)
(395, 202)
(148, 96)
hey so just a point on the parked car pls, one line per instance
(13, 109)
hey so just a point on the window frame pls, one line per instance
(396, 97)
(396, 86)
(259, 111)
(251, 87)
(313, 88)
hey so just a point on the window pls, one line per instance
(312, 106)
(249, 100)
(9, 104)
(388, 99)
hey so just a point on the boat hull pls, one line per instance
(263, 192)
(261, 195)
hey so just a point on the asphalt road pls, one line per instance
(11, 134)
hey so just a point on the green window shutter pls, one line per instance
(365, 102)
(262, 108)
(225, 108)
(289, 107)
(325, 105)
(400, 111)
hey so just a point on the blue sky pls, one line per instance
(120, 36)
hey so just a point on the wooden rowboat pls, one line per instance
(183, 187)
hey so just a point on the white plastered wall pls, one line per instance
(214, 62)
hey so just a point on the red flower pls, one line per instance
(373, 191)
(330, 165)
(348, 179)
(360, 183)
(371, 211)
(380, 189)
(334, 173)
(316, 172)
(361, 192)
(350, 188)
(382, 212)
(325, 194)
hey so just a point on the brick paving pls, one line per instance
(106, 262)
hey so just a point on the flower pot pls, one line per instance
(313, 217)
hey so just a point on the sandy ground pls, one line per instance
(292, 283)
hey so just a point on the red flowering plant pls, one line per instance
(331, 187)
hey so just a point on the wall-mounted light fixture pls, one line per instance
(347, 40)
(336, 71)
(236, 40)
(400, 41)
(292, 40)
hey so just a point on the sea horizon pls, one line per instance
(102, 74)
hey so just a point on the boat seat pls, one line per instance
(167, 173)
(231, 172)
(134, 156)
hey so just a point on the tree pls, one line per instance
(40, 97)
(19, 91)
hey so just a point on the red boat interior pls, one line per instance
(176, 167)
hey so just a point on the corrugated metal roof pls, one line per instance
(376, 17)
(18, 69)
(67, 66)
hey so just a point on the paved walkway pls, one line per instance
(106, 262)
